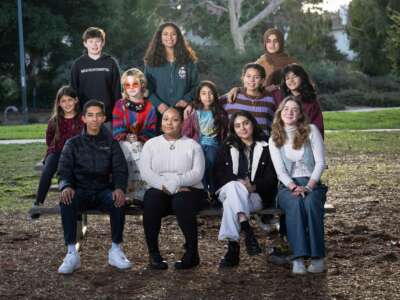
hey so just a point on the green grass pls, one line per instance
(18, 180)
(16, 132)
(382, 119)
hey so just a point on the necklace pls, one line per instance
(171, 144)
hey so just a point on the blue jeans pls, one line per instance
(304, 219)
(210, 154)
(85, 200)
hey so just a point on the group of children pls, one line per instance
(171, 79)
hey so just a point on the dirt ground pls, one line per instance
(362, 239)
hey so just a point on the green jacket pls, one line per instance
(170, 83)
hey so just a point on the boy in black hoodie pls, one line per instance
(95, 75)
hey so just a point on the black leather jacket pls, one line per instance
(92, 163)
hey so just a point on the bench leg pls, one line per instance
(81, 230)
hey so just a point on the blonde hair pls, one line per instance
(136, 73)
(278, 133)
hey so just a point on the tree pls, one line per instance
(368, 31)
(393, 42)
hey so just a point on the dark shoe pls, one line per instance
(188, 261)
(252, 246)
(34, 211)
(251, 242)
(231, 258)
(157, 262)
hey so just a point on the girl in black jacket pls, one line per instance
(246, 180)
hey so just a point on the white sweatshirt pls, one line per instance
(172, 164)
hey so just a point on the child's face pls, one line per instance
(68, 104)
(272, 44)
(290, 113)
(206, 97)
(171, 123)
(94, 46)
(252, 80)
(133, 87)
(169, 37)
(243, 128)
(93, 119)
(292, 81)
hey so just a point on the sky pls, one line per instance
(334, 5)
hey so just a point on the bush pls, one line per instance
(330, 102)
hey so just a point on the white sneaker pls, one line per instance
(72, 261)
(317, 266)
(117, 258)
(298, 266)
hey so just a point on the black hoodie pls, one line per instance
(97, 79)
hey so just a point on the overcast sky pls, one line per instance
(334, 5)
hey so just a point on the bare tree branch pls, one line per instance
(270, 8)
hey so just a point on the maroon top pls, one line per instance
(311, 108)
(67, 129)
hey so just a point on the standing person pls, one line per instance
(297, 83)
(274, 59)
(297, 152)
(254, 98)
(173, 166)
(134, 122)
(208, 125)
(95, 75)
(65, 122)
(92, 174)
(246, 180)
(170, 68)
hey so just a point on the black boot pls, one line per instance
(189, 260)
(252, 246)
(231, 258)
(157, 262)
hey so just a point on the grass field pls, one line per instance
(18, 180)
(383, 119)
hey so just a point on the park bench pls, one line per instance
(133, 209)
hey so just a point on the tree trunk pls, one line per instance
(238, 32)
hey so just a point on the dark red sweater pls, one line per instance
(67, 129)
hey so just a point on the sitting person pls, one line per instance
(134, 122)
(92, 174)
(246, 180)
(173, 165)
(297, 151)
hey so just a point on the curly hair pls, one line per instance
(278, 133)
(234, 140)
(156, 56)
(219, 114)
(306, 89)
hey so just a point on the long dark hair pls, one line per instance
(234, 140)
(219, 114)
(306, 89)
(58, 112)
(156, 56)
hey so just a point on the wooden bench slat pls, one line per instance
(135, 210)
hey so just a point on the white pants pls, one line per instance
(132, 154)
(235, 199)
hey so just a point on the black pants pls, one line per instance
(84, 200)
(184, 205)
(49, 169)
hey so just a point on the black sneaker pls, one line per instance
(232, 256)
(157, 262)
(188, 261)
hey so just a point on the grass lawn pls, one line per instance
(382, 119)
(18, 180)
